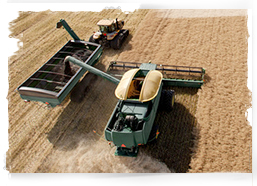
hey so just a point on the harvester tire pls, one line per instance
(153, 134)
(167, 100)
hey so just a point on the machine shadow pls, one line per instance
(94, 103)
(177, 140)
(124, 47)
(85, 96)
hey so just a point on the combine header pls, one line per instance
(181, 76)
(139, 92)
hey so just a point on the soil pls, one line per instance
(207, 130)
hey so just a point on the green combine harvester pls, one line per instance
(140, 90)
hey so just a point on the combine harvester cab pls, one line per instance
(139, 92)
(55, 79)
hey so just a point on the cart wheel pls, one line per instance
(91, 39)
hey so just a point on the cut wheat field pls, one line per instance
(207, 131)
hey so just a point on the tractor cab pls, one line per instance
(109, 26)
(110, 33)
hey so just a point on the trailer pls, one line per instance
(55, 79)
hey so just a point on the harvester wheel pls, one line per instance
(167, 100)
(153, 134)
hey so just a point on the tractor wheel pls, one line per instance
(116, 42)
(91, 39)
(167, 100)
(126, 33)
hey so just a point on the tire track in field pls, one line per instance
(149, 45)
(158, 34)
(36, 126)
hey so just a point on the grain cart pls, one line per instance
(139, 92)
(55, 79)
(110, 33)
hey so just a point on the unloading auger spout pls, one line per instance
(92, 69)
(63, 23)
